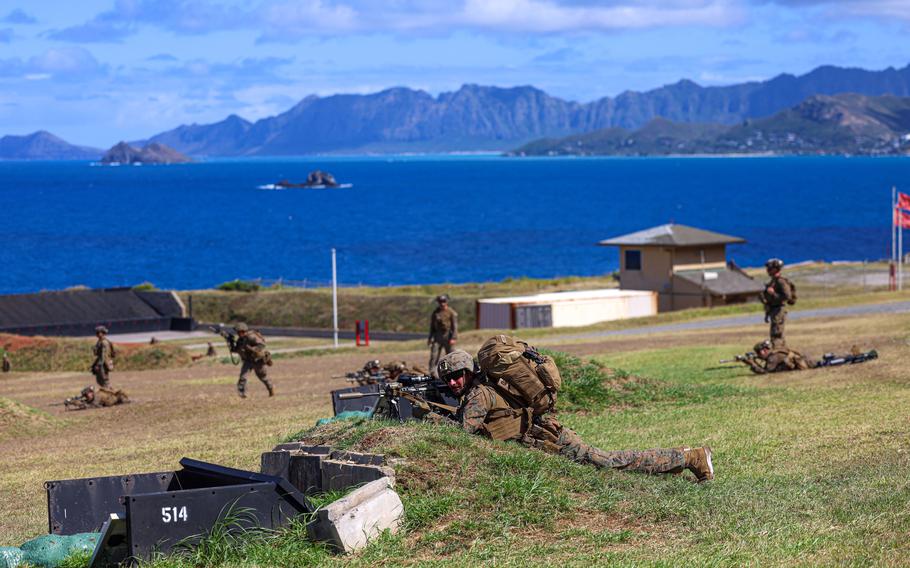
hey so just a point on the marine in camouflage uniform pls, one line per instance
(90, 398)
(778, 293)
(104, 357)
(250, 345)
(395, 369)
(776, 357)
(443, 331)
(7, 364)
(489, 411)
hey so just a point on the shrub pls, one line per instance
(240, 286)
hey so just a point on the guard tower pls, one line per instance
(687, 267)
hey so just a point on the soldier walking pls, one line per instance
(443, 331)
(104, 358)
(254, 356)
(779, 292)
(488, 408)
(7, 364)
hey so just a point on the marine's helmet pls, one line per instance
(88, 393)
(774, 264)
(101, 329)
(442, 298)
(454, 363)
(374, 364)
(766, 344)
(241, 327)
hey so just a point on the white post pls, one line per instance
(893, 267)
(900, 249)
(335, 298)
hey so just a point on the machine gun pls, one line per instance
(739, 358)
(422, 394)
(832, 360)
(362, 377)
(229, 338)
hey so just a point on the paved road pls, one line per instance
(739, 321)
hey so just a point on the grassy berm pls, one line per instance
(811, 470)
(56, 354)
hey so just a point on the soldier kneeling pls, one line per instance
(489, 408)
(776, 357)
(89, 398)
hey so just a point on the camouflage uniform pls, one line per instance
(776, 304)
(484, 410)
(780, 359)
(210, 352)
(103, 396)
(104, 361)
(255, 357)
(7, 365)
(443, 329)
(397, 368)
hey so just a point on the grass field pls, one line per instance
(811, 467)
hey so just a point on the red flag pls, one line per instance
(901, 219)
(903, 200)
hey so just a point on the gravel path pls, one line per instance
(739, 321)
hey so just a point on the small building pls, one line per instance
(686, 266)
(564, 309)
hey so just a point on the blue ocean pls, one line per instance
(421, 219)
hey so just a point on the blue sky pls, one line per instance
(98, 71)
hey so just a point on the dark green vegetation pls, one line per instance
(55, 354)
(841, 124)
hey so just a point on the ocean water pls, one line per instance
(421, 219)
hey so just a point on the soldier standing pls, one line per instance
(104, 357)
(255, 357)
(488, 409)
(7, 364)
(443, 331)
(778, 293)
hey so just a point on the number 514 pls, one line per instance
(173, 514)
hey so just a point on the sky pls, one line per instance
(98, 71)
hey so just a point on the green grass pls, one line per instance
(57, 354)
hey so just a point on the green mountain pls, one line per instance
(840, 124)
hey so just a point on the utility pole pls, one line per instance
(335, 297)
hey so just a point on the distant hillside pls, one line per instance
(43, 145)
(153, 153)
(842, 124)
(477, 117)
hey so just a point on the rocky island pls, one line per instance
(316, 178)
(153, 153)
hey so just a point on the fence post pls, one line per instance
(366, 332)
(357, 333)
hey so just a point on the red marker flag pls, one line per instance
(901, 219)
(903, 201)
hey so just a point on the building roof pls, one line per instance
(672, 235)
(576, 296)
(722, 282)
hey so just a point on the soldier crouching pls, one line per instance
(488, 410)
(254, 356)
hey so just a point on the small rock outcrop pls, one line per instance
(153, 153)
(314, 178)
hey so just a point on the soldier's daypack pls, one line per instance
(519, 370)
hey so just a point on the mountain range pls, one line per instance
(43, 145)
(492, 118)
(483, 118)
(822, 124)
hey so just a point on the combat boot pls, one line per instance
(698, 461)
(271, 390)
(242, 394)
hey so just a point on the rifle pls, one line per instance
(229, 337)
(388, 402)
(832, 360)
(739, 358)
(364, 378)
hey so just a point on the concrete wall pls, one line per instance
(656, 268)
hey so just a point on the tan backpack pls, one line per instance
(519, 370)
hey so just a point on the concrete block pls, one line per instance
(305, 472)
(358, 457)
(301, 447)
(349, 523)
(338, 475)
(276, 463)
